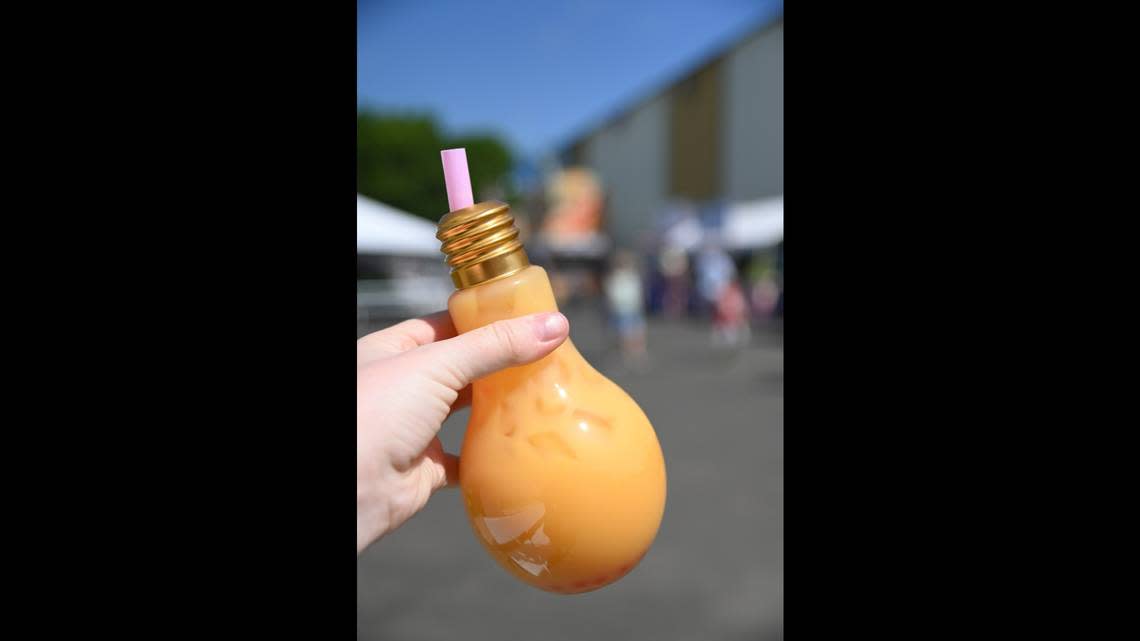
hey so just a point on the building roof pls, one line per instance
(720, 51)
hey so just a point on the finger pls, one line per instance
(456, 362)
(404, 336)
(443, 468)
(461, 401)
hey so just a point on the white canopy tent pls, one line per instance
(757, 224)
(415, 280)
(384, 230)
(685, 234)
(754, 225)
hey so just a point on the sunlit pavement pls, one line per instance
(716, 568)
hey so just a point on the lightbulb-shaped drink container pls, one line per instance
(561, 472)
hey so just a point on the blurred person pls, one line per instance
(714, 270)
(674, 266)
(409, 379)
(730, 321)
(764, 292)
(626, 299)
(656, 285)
(765, 296)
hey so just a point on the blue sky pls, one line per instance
(536, 72)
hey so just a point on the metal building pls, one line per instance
(715, 136)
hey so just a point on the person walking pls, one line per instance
(624, 292)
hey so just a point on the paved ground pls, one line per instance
(716, 569)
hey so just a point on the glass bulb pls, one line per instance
(561, 471)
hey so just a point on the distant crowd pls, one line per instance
(732, 293)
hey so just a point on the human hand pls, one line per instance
(409, 378)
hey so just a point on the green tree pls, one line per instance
(398, 163)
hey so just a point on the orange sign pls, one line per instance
(576, 204)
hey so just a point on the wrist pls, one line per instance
(373, 518)
(371, 525)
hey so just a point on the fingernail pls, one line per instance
(550, 326)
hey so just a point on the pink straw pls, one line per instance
(457, 179)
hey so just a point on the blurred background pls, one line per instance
(640, 145)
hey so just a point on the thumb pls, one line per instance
(456, 362)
